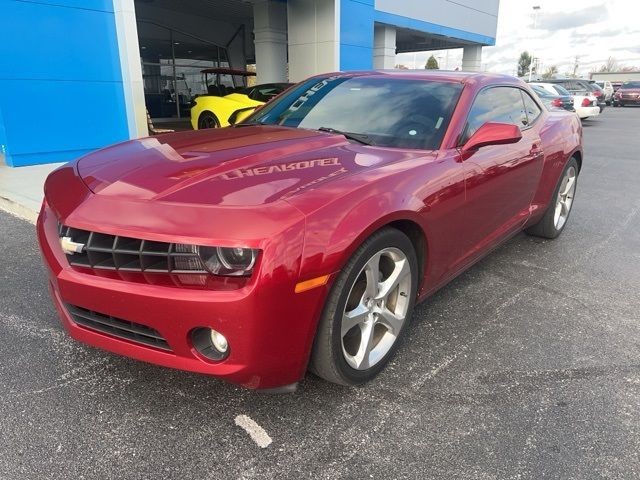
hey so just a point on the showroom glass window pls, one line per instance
(172, 62)
(496, 104)
(391, 112)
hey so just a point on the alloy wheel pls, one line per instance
(565, 198)
(376, 308)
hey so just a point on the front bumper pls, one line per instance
(269, 327)
(628, 101)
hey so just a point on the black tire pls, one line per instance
(546, 226)
(327, 358)
(208, 120)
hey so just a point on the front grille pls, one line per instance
(112, 252)
(116, 327)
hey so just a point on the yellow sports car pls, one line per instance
(223, 106)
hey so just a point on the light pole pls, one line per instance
(536, 9)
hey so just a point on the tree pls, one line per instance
(432, 63)
(524, 62)
(550, 72)
(610, 66)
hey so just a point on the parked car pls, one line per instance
(223, 105)
(627, 94)
(552, 100)
(585, 105)
(607, 87)
(304, 235)
(576, 86)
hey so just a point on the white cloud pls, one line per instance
(592, 30)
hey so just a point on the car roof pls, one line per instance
(561, 80)
(435, 75)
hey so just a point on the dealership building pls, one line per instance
(77, 75)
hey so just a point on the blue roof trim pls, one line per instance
(422, 26)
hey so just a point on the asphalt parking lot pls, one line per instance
(525, 367)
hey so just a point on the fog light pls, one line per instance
(210, 343)
(219, 342)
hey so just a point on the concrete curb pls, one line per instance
(18, 210)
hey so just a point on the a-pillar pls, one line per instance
(472, 58)
(270, 31)
(384, 47)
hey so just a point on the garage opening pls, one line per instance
(178, 40)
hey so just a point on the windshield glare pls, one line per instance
(631, 85)
(391, 112)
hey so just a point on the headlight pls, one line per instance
(230, 261)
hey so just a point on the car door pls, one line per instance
(500, 180)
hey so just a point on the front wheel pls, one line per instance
(557, 214)
(367, 311)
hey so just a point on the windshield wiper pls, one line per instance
(358, 137)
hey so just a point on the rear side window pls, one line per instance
(496, 104)
(561, 90)
(586, 86)
(531, 107)
(575, 86)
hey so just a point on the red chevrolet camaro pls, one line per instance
(303, 237)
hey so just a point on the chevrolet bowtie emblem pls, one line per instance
(70, 247)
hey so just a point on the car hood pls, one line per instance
(629, 90)
(245, 166)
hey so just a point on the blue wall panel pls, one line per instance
(356, 34)
(61, 91)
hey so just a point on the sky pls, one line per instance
(594, 30)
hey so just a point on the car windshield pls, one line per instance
(382, 111)
(630, 85)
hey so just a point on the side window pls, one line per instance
(496, 104)
(531, 107)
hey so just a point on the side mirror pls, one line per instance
(493, 133)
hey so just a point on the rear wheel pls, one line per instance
(557, 214)
(367, 311)
(208, 120)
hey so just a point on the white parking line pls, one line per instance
(257, 433)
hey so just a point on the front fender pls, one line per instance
(335, 233)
